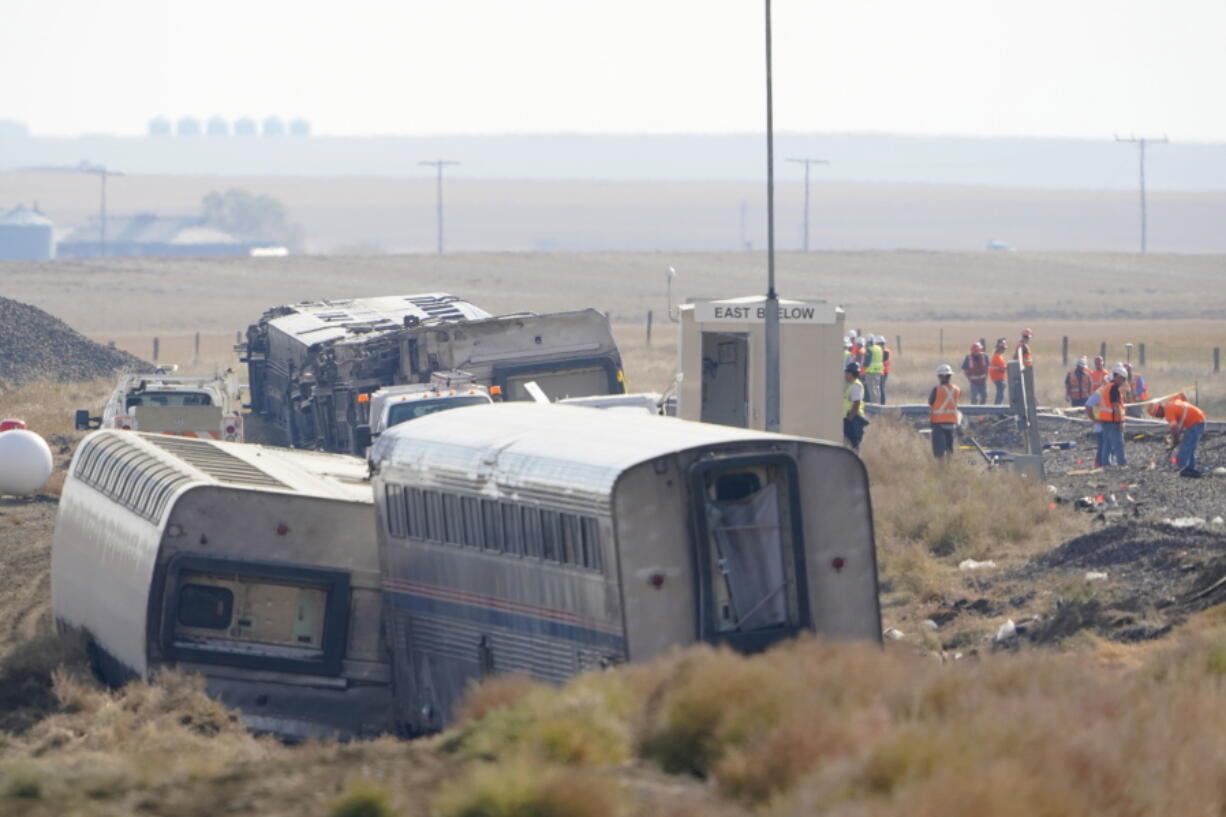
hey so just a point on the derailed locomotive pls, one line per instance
(312, 366)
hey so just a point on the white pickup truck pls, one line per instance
(392, 405)
(204, 406)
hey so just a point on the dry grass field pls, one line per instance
(1022, 728)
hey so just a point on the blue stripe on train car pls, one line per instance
(518, 622)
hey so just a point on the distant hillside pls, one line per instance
(876, 158)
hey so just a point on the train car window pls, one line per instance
(590, 532)
(393, 504)
(415, 513)
(512, 529)
(473, 531)
(491, 524)
(551, 537)
(453, 520)
(530, 522)
(205, 606)
(559, 383)
(572, 545)
(436, 526)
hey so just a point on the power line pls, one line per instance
(807, 163)
(1141, 143)
(101, 172)
(439, 164)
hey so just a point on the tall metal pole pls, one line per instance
(772, 299)
(806, 163)
(1141, 144)
(439, 164)
(102, 213)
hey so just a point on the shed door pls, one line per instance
(725, 378)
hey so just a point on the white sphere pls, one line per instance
(25, 462)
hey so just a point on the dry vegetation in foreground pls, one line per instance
(807, 728)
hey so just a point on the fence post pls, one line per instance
(196, 356)
(155, 350)
(648, 327)
(1217, 359)
(1141, 354)
(898, 344)
(1102, 351)
(1064, 350)
(942, 346)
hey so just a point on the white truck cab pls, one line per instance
(207, 407)
(392, 405)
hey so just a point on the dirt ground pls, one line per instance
(1155, 552)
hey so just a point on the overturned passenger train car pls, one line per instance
(312, 366)
(549, 540)
(254, 567)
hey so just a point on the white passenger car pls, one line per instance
(551, 539)
(255, 567)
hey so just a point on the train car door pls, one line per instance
(752, 588)
(725, 378)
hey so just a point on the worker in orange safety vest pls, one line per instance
(943, 414)
(1023, 347)
(998, 370)
(1108, 410)
(1187, 424)
(1078, 386)
(1099, 374)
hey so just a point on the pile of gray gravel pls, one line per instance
(38, 346)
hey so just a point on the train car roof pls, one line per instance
(570, 448)
(241, 466)
(320, 321)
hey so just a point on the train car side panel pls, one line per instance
(842, 564)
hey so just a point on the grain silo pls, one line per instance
(26, 235)
(273, 126)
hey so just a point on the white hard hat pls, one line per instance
(881, 338)
(1081, 361)
(851, 333)
(945, 368)
(1120, 370)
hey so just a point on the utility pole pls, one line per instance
(101, 172)
(806, 163)
(772, 298)
(439, 164)
(1141, 143)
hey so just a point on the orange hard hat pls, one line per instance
(1154, 409)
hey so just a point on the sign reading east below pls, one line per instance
(755, 311)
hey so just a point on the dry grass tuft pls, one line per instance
(28, 678)
(362, 799)
(521, 788)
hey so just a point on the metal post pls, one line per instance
(941, 353)
(772, 298)
(807, 162)
(1141, 145)
(155, 350)
(1102, 352)
(1141, 354)
(1217, 360)
(102, 216)
(439, 164)
(648, 327)
(196, 359)
(898, 344)
(1064, 350)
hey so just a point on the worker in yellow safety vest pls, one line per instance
(874, 367)
(854, 420)
(943, 414)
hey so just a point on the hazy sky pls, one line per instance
(1081, 68)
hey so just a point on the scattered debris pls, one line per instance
(1095, 576)
(1007, 632)
(971, 564)
(894, 634)
(929, 624)
(1185, 522)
